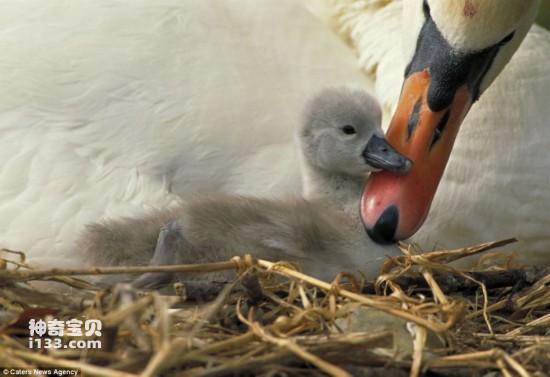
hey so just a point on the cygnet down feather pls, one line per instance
(340, 142)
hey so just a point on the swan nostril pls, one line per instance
(383, 231)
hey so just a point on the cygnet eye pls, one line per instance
(348, 130)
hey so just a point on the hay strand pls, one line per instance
(275, 319)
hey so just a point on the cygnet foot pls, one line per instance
(165, 254)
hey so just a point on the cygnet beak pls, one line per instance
(381, 155)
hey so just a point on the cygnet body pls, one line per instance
(340, 141)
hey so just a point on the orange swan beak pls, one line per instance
(394, 206)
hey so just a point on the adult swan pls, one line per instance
(107, 108)
(497, 182)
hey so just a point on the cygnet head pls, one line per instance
(340, 132)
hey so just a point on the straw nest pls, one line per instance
(421, 317)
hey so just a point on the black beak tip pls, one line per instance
(383, 232)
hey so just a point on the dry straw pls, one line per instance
(275, 320)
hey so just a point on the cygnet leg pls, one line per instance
(165, 254)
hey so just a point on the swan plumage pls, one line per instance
(340, 142)
(108, 109)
